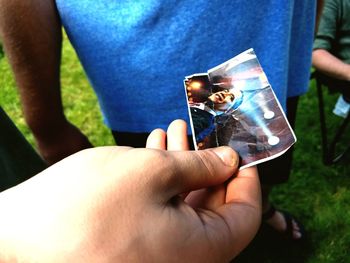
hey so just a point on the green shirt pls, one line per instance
(18, 159)
(334, 29)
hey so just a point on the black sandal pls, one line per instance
(288, 233)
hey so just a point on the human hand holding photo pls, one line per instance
(120, 204)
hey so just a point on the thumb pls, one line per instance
(192, 170)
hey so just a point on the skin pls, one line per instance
(32, 37)
(326, 62)
(31, 34)
(99, 205)
(330, 65)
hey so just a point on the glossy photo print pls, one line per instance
(233, 104)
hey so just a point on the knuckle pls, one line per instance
(205, 162)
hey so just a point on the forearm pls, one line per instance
(31, 34)
(330, 65)
(32, 37)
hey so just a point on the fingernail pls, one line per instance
(227, 155)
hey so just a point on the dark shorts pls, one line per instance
(18, 160)
(137, 140)
(272, 172)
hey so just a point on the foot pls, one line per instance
(278, 222)
(283, 223)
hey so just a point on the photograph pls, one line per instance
(233, 104)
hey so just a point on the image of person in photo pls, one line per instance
(198, 89)
(235, 105)
(259, 124)
(206, 103)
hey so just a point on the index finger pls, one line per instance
(177, 136)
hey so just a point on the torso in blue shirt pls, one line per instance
(136, 53)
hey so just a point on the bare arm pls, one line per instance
(322, 59)
(330, 65)
(32, 36)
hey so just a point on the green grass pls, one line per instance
(318, 195)
(323, 196)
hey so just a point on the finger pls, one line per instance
(177, 136)
(177, 139)
(242, 212)
(191, 170)
(209, 198)
(245, 187)
(156, 140)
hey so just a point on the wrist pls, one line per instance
(49, 129)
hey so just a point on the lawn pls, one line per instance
(317, 194)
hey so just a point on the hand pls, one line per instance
(119, 204)
(60, 142)
(242, 191)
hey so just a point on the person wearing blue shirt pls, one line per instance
(136, 55)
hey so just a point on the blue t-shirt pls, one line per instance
(137, 53)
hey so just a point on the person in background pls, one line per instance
(122, 204)
(331, 55)
(136, 54)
